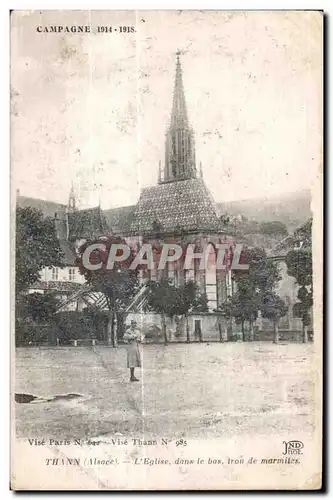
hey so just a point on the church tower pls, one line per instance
(179, 140)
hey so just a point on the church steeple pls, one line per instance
(71, 207)
(179, 111)
(179, 141)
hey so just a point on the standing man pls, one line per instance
(133, 337)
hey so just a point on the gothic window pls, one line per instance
(210, 276)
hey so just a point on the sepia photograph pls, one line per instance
(166, 223)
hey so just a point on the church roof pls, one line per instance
(182, 205)
(119, 219)
(87, 224)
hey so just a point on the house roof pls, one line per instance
(119, 219)
(87, 224)
(184, 205)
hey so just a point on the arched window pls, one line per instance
(210, 276)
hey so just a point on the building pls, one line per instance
(65, 280)
(179, 209)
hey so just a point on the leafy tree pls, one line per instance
(273, 308)
(37, 247)
(226, 309)
(299, 266)
(119, 285)
(188, 299)
(170, 300)
(41, 307)
(273, 228)
(253, 287)
(243, 306)
(225, 219)
(261, 276)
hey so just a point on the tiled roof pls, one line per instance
(182, 205)
(185, 205)
(87, 224)
(119, 219)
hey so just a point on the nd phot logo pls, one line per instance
(293, 447)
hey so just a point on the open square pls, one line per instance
(185, 390)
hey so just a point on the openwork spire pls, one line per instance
(179, 111)
(179, 141)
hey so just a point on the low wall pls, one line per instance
(284, 335)
(201, 327)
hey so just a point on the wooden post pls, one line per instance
(305, 334)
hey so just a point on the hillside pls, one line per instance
(292, 209)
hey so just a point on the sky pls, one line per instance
(92, 109)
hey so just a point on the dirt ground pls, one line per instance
(204, 390)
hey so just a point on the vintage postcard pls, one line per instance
(166, 175)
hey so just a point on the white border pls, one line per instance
(325, 5)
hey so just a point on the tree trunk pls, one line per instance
(251, 329)
(276, 332)
(120, 318)
(114, 331)
(243, 331)
(220, 331)
(305, 334)
(187, 329)
(109, 328)
(164, 330)
(230, 329)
